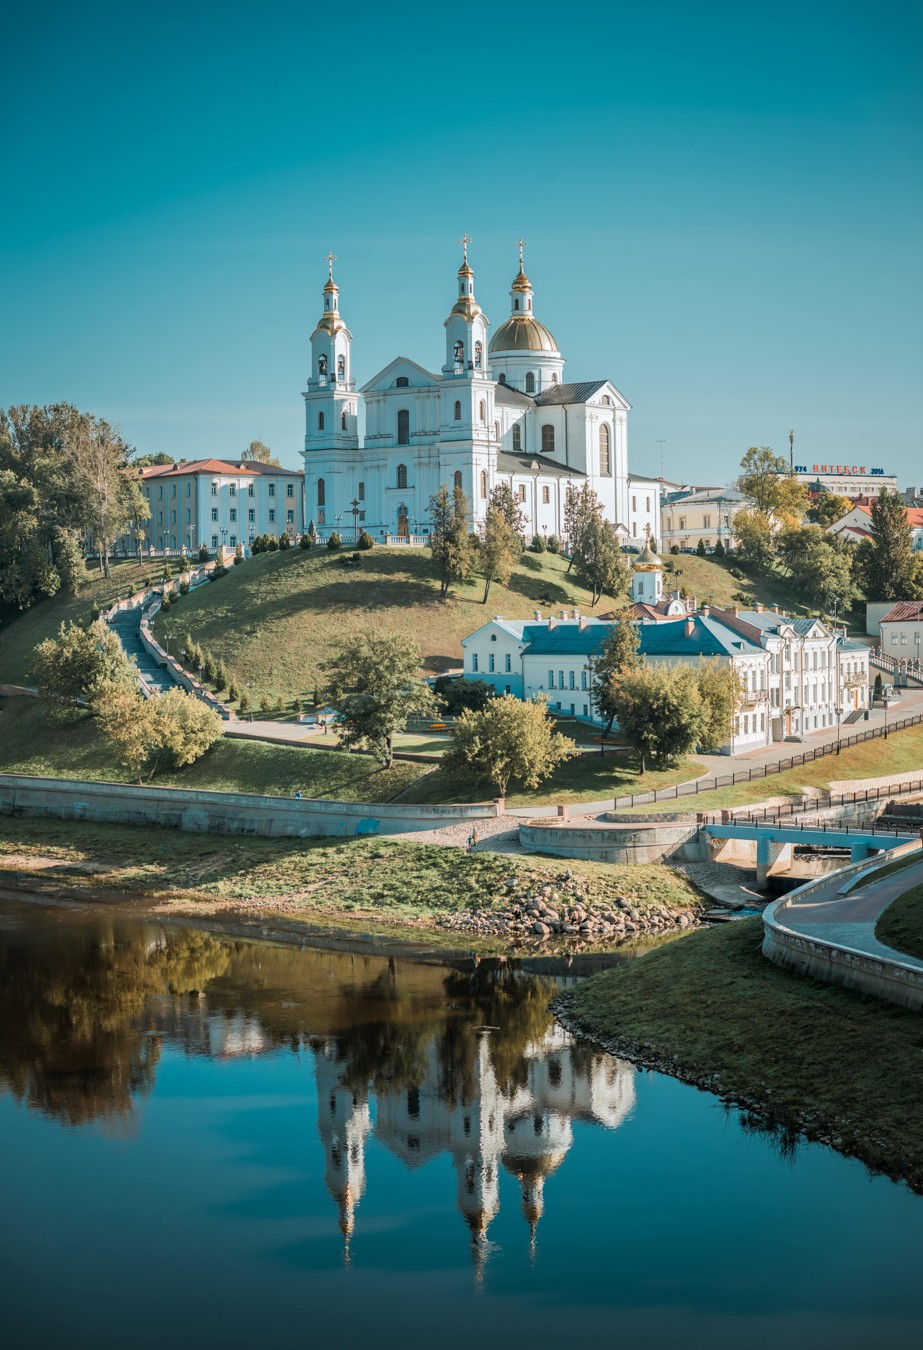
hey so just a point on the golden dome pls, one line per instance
(331, 323)
(523, 333)
(647, 560)
(521, 282)
(330, 285)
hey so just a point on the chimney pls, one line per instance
(775, 609)
(758, 609)
(552, 622)
(537, 615)
(582, 623)
(690, 627)
(563, 613)
(575, 613)
(733, 611)
(705, 611)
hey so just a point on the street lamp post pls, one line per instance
(166, 638)
(354, 507)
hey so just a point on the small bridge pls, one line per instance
(771, 838)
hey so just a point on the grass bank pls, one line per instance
(712, 1010)
(901, 925)
(32, 744)
(350, 883)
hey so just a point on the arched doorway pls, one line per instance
(403, 527)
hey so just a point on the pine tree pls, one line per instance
(888, 561)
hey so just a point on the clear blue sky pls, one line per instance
(722, 202)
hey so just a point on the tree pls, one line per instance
(825, 571)
(720, 690)
(79, 662)
(618, 654)
(759, 480)
(754, 532)
(508, 741)
(827, 508)
(141, 731)
(499, 552)
(599, 563)
(887, 562)
(660, 713)
(581, 507)
(510, 508)
(261, 453)
(149, 461)
(449, 541)
(700, 548)
(374, 688)
(456, 694)
(113, 499)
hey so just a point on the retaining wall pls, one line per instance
(637, 843)
(222, 812)
(884, 978)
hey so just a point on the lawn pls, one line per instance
(901, 925)
(902, 752)
(367, 879)
(20, 633)
(718, 1010)
(711, 582)
(32, 744)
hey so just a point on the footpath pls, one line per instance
(848, 921)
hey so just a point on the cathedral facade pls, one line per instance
(498, 411)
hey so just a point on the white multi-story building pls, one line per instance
(497, 411)
(845, 480)
(643, 509)
(902, 631)
(694, 515)
(219, 503)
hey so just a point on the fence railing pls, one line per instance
(905, 830)
(828, 802)
(760, 771)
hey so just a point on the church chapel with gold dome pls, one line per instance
(499, 410)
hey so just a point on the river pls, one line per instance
(218, 1142)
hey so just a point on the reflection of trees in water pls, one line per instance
(71, 1003)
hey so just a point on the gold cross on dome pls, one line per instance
(330, 259)
(521, 244)
(465, 241)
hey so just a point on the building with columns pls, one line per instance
(498, 410)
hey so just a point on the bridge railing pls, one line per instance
(828, 801)
(901, 829)
(760, 771)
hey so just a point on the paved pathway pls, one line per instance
(849, 920)
(127, 625)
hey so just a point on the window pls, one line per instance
(458, 478)
(501, 379)
(547, 439)
(251, 516)
(290, 517)
(571, 680)
(341, 367)
(482, 411)
(490, 663)
(457, 411)
(188, 489)
(483, 485)
(232, 515)
(214, 541)
(474, 661)
(706, 522)
(251, 491)
(583, 684)
(173, 489)
(343, 420)
(272, 516)
(233, 541)
(521, 492)
(560, 679)
(530, 382)
(232, 489)
(173, 522)
(322, 364)
(634, 500)
(682, 522)
(361, 493)
(459, 355)
(272, 489)
(546, 495)
(516, 303)
(517, 438)
(320, 421)
(188, 515)
(605, 457)
(551, 679)
(290, 489)
(478, 355)
(321, 492)
(214, 490)
(402, 475)
(496, 431)
(402, 382)
(507, 663)
(403, 428)
(214, 513)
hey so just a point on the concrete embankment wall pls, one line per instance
(222, 812)
(834, 963)
(611, 843)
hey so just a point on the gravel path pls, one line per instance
(494, 836)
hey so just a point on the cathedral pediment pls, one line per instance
(403, 369)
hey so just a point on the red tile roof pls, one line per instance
(904, 610)
(243, 468)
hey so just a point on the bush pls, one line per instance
(221, 677)
(537, 545)
(233, 693)
(307, 540)
(316, 697)
(365, 540)
(272, 544)
(284, 541)
(244, 702)
(554, 544)
(238, 555)
(720, 550)
(165, 602)
(334, 542)
(265, 704)
(184, 587)
(204, 554)
(700, 548)
(209, 668)
(256, 545)
(280, 704)
(167, 569)
(297, 704)
(736, 572)
(148, 583)
(94, 613)
(674, 549)
(457, 694)
(218, 571)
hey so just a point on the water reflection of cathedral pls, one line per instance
(524, 1125)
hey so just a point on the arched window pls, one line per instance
(320, 421)
(321, 493)
(402, 475)
(482, 410)
(322, 364)
(343, 419)
(517, 437)
(607, 400)
(457, 411)
(458, 478)
(501, 379)
(483, 485)
(496, 431)
(554, 379)
(530, 382)
(341, 367)
(605, 457)
(401, 382)
(459, 354)
(403, 427)
(361, 493)
(478, 355)
(528, 304)
(547, 439)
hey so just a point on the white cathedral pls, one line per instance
(498, 411)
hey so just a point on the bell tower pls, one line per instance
(331, 402)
